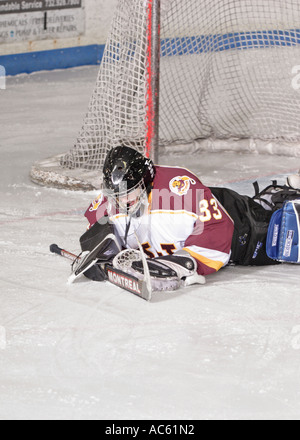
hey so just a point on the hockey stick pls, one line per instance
(147, 278)
(115, 276)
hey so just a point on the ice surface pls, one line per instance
(227, 350)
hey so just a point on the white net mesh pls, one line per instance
(225, 74)
(226, 70)
(117, 111)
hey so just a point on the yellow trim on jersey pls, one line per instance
(150, 200)
(117, 216)
(160, 211)
(217, 265)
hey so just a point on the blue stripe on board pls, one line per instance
(92, 55)
(238, 40)
(52, 59)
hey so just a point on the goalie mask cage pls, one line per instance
(181, 74)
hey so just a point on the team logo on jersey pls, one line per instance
(96, 203)
(181, 184)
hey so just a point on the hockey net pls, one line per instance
(227, 81)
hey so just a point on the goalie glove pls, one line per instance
(181, 264)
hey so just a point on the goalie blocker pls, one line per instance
(99, 246)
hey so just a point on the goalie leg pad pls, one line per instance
(181, 262)
(166, 273)
(284, 232)
(180, 265)
(157, 269)
(185, 267)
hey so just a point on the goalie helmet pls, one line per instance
(127, 179)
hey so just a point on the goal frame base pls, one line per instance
(50, 173)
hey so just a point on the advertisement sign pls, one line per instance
(28, 20)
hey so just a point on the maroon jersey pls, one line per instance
(181, 214)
